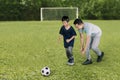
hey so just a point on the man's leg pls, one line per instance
(95, 48)
(88, 56)
(95, 44)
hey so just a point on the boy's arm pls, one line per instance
(60, 38)
(61, 34)
(68, 40)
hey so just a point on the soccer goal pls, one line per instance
(56, 13)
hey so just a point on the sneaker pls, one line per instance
(99, 59)
(70, 62)
(87, 62)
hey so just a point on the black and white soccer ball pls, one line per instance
(45, 71)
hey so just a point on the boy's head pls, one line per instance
(65, 20)
(78, 23)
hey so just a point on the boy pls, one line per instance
(68, 34)
(93, 34)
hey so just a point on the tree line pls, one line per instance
(30, 9)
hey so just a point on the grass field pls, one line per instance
(26, 47)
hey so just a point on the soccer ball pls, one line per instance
(45, 71)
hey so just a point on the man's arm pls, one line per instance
(81, 41)
(87, 42)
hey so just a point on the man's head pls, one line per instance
(65, 20)
(78, 23)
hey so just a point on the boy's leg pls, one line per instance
(69, 54)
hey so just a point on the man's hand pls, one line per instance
(82, 51)
(68, 40)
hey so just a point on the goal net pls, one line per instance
(56, 13)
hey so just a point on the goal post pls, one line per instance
(55, 13)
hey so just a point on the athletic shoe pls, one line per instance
(70, 62)
(87, 62)
(99, 59)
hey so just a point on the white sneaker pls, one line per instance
(70, 63)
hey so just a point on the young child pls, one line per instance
(93, 34)
(68, 34)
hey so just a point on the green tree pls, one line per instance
(9, 9)
(111, 9)
(30, 9)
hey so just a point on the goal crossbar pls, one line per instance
(41, 10)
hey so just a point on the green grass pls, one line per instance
(26, 47)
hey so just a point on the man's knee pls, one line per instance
(93, 48)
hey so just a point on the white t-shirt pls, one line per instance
(91, 29)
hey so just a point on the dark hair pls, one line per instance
(78, 21)
(65, 18)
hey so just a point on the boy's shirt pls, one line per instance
(67, 34)
(91, 29)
